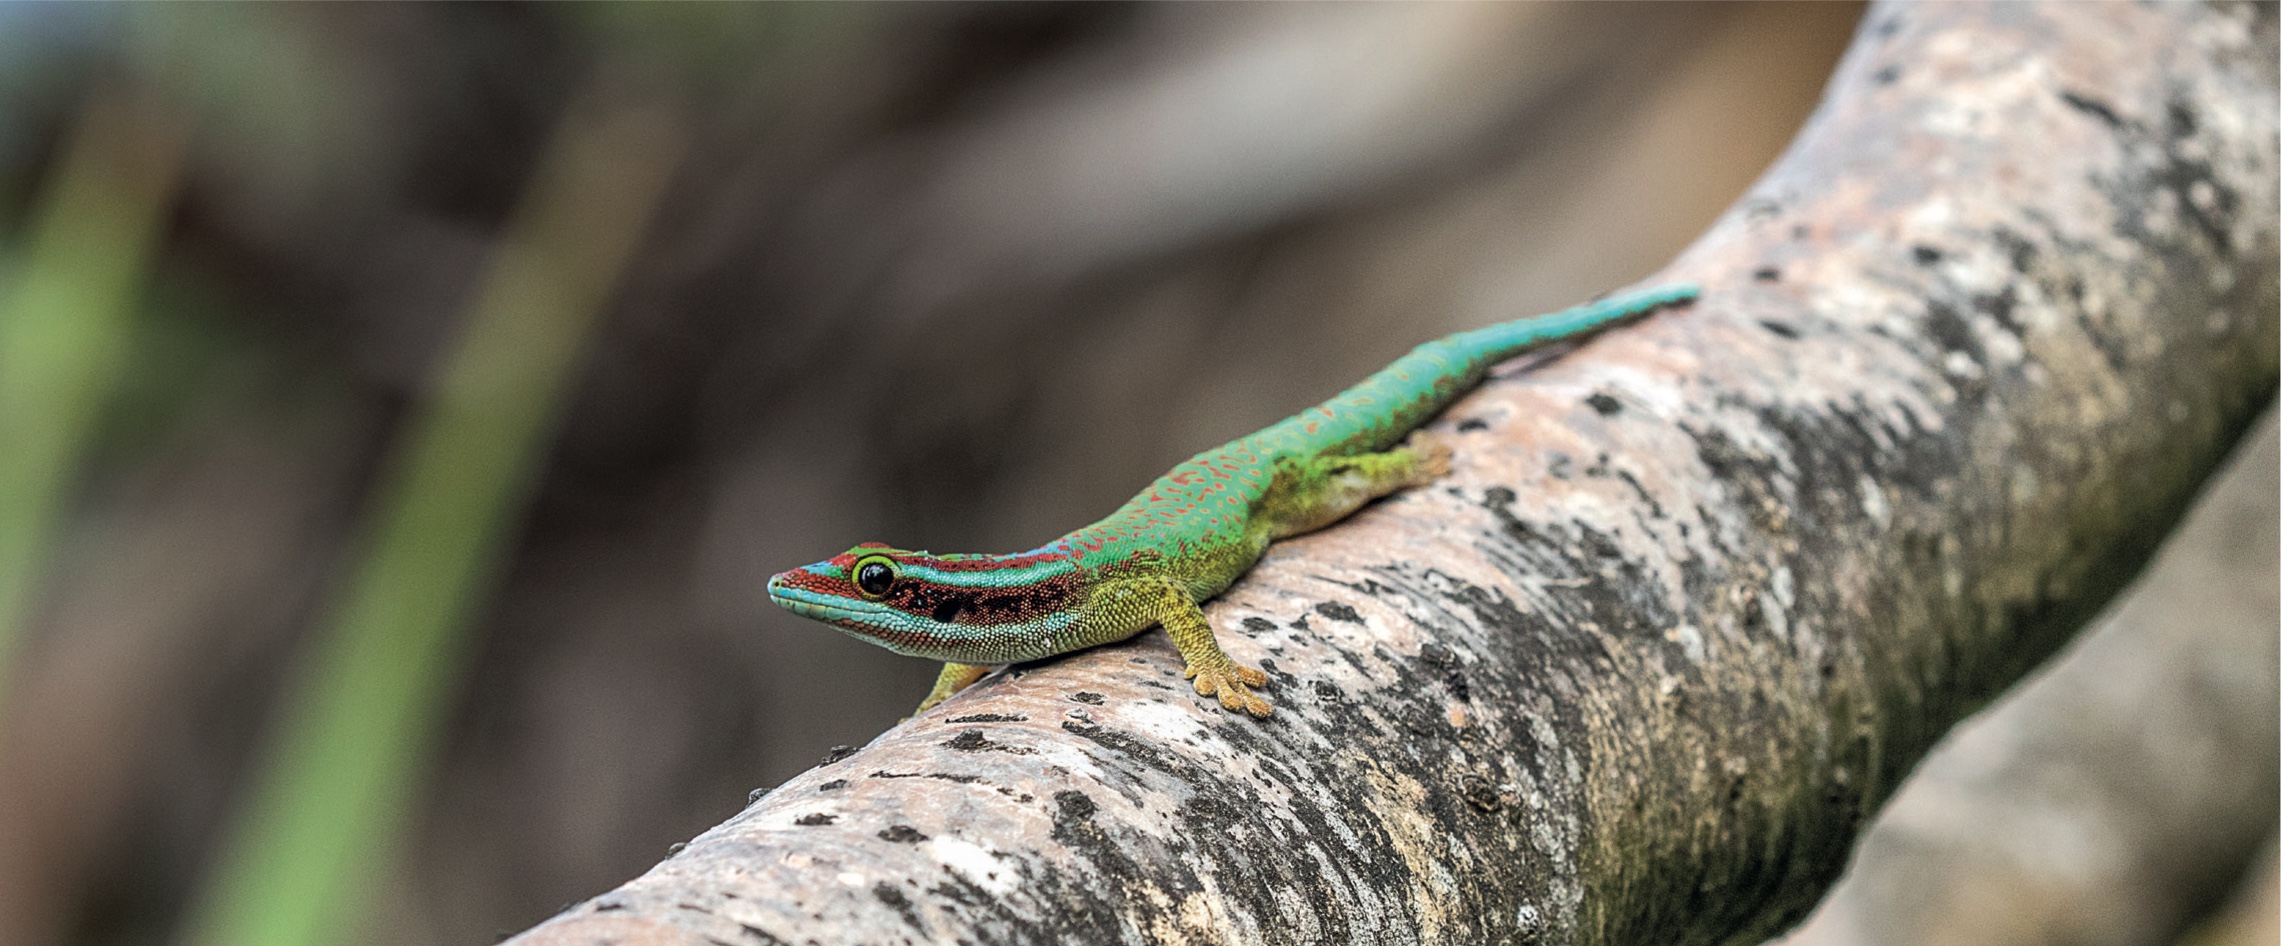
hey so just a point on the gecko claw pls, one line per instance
(1232, 685)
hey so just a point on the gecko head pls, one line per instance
(977, 609)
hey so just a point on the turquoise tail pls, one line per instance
(1386, 406)
(1506, 339)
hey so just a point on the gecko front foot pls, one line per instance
(1232, 685)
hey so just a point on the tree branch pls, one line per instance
(1695, 598)
(2117, 794)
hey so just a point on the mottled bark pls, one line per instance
(2116, 795)
(1694, 599)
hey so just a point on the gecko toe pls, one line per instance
(1252, 704)
(1232, 685)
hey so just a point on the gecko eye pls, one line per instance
(874, 576)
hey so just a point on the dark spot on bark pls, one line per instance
(1778, 328)
(2092, 107)
(1338, 612)
(1258, 624)
(676, 848)
(1766, 274)
(1948, 327)
(1558, 465)
(1471, 424)
(1459, 687)
(991, 718)
(973, 740)
(692, 907)
(1891, 26)
(833, 785)
(1654, 509)
(1999, 307)
(1072, 805)
(608, 906)
(1450, 668)
(765, 937)
(963, 892)
(1088, 698)
(892, 897)
(1607, 406)
(902, 834)
(1762, 208)
(757, 794)
(1801, 232)
(1925, 255)
(815, 819)
(837, 753)
(1328, 692)
(2182, 121)
(1887, 75)
(2022, 252)
(1481, 794)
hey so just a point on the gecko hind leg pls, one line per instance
(955, 677)
(1313, 493)
(1215, 673)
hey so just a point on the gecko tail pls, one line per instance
(1376, 413)
(1506, 339)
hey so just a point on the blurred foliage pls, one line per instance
(337, 789)
(64, 325)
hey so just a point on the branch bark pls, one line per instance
(2115, 796)
(1694, 600)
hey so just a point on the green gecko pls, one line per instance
(1187, 537)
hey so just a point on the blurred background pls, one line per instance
(402, 406)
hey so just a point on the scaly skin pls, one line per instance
(1184, 539)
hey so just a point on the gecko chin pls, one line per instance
(817, 593)
(822, 593)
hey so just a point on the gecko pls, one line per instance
(1185, 538)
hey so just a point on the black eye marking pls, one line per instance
(874, 576)
(947, 611)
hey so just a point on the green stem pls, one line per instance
(65, 327)
(337, 785)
